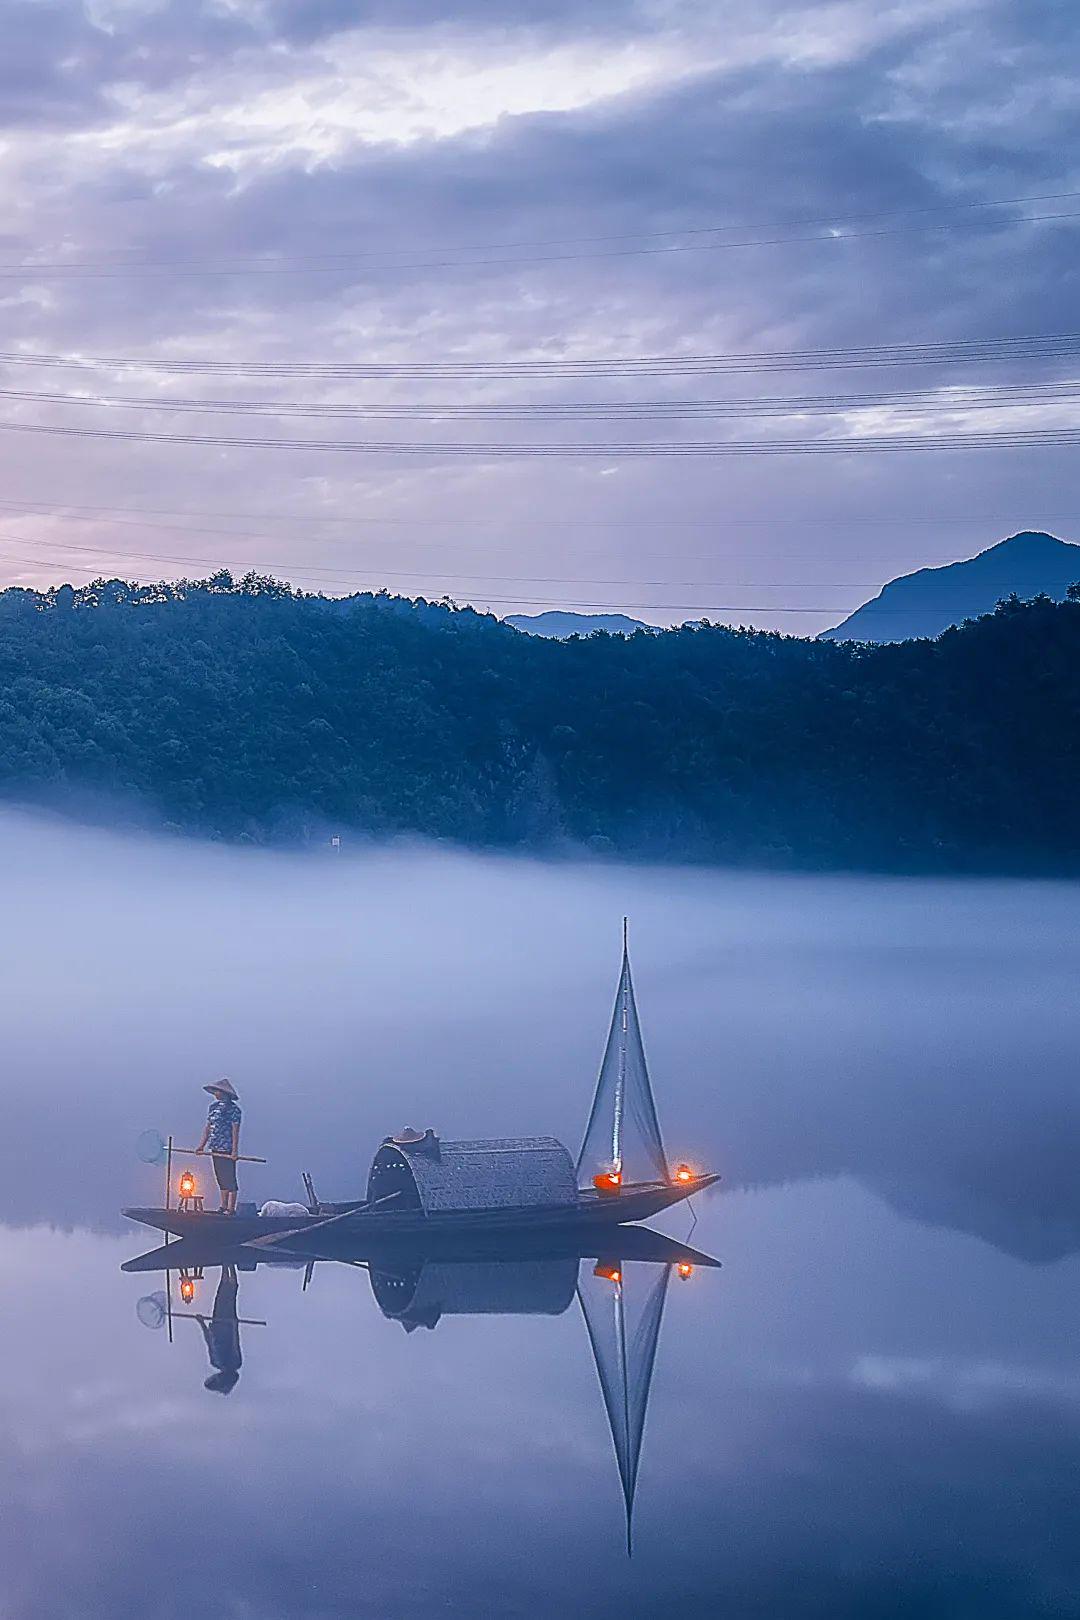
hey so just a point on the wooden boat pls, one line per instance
(419, 1184)
(346, 1244)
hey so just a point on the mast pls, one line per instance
(623, 1132)
(620, 1089)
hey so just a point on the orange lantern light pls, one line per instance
(685, 1271)
(187, 1185)
(683, 1173)
(610, 1274)
(608, 1181)
(187, 1289)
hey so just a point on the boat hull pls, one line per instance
(591, 1212)
(620, 1243)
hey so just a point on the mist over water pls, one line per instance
(875, 1403)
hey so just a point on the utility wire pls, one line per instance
(89, 272)
(336, 576)
(82, 512)
(620, 451)
(501, 579)
(924, 401)
(283, 260)
(956, 351)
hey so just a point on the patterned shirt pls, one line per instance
(222, 1116)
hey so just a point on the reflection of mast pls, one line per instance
(624, 1352)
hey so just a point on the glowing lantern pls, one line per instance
(685, 1271)
(683, 1173)
(609, 1273)
(187, 1185)
(187, 1289)
(608, 1181)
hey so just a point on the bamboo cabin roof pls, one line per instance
(501, 1173)
(421, 1297)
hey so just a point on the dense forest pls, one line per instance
(245, 710)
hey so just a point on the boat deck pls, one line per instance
(591, 1210)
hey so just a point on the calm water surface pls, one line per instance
(872, 1409)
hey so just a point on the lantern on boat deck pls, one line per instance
(187, 1185)
(608, 1182)
(684, 1174)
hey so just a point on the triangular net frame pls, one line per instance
(623, 1307)
(623, 1132)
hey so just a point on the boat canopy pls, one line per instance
(420, 1296)
(513, 1172)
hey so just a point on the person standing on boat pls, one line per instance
(221, 1138)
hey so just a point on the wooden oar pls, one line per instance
(271, 1238)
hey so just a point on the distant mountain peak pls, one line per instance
(558, 624)
(927, 602)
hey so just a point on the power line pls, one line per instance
(923, 401)
(72, 509)
(1042, 438)
(336, 576)
(331, 260)
(89, 272)
(955, 351)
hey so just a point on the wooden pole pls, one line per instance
(196, 1316)
(208, 1153)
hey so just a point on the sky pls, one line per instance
(251, 201)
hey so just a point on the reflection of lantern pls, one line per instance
(683, 1173)
(187, 1289)
(608, 1272)
(608, 1181)
(685, 1271)
(187, 1185)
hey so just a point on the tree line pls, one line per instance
(246, 710)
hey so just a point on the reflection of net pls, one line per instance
(623, 1321)
(623, 1131)
(151, 1309)
(151, 1147)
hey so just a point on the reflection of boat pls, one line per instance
(619, 1278)
(419, 1182)
(639, 1243)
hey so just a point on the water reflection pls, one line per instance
(621, 1291)
(873, 1411)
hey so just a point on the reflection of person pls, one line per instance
(221, 1137)
(222, 1335)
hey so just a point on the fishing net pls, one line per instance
(151, 1147)
(623, 1132)
(152, 1309)
(623, 1306)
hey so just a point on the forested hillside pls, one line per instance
(243, 710)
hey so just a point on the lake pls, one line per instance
(871, 1409)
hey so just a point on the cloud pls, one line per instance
(177, 152)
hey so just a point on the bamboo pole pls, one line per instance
(208, 1153)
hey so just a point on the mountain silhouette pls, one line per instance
(928, 602)
(560, 625)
